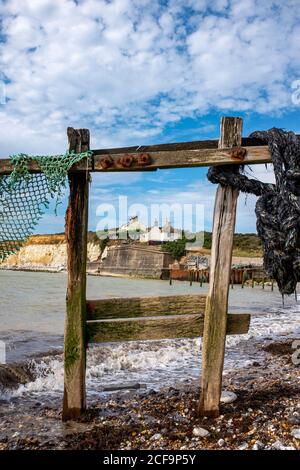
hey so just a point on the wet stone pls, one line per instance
(156, 437)
(150, 420)
(228, 397)
(200, 432)
(221, 442)
(243, 446)
(296, 433)
(258, 446)
(294, 418)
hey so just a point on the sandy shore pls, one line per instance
(265, 415)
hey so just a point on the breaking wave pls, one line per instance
(153, 363)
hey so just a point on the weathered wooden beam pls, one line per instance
(75, 322)
(145, 306)
(191, 145)
(159, 159)
(6, 166)
(157, 328)
(216, 318)
(184, 159)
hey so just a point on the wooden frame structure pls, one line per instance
(184, 316)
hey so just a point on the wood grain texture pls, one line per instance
(75, 321)
(162, 159)
(157, 328)
(6, 167)
(145, 306)
(187, 158)
(190, 145)
(214, 336)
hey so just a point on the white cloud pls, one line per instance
(126, 68)
(170, 190)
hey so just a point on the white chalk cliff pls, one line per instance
(45, 257)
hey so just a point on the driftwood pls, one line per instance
(115, 388)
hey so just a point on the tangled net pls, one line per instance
(277, 208)
(25, 196)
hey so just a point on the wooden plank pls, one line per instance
(162, 159)
(145, 306)
(178, 154)
(157, 328)
(185, 159)
(6, 167)
(214, 336)
(75, 322)
(190, 145)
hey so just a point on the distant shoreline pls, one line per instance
(33, 270)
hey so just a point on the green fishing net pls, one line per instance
(25, 196)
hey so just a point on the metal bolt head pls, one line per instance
(126, 161)
(106, 162)
(238, 152)
(144, 159)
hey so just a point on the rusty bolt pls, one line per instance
(239, 153)
(126, 161)
(144, 159)
(106, 162)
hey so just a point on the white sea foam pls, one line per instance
(154, 363)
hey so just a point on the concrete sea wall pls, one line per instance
(136, 261)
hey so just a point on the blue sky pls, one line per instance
(146, 71)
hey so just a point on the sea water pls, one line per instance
(32, 319)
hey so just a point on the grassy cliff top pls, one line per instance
(54, 239)
(244, 244)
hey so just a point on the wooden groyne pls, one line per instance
(88, 321)
(252, 275)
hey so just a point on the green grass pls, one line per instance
(244, 244)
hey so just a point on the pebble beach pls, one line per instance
(144, 395)
(260, 410)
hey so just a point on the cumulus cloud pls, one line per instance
(126, 68)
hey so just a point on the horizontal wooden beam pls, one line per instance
(185, 159)
(6, 166)
(157, 328)
(179, 155)
(191, 145)
(145, 306)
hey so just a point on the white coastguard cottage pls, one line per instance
(134, 228)
(157, 234)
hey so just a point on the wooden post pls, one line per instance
(75, 323)
(214, 336)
